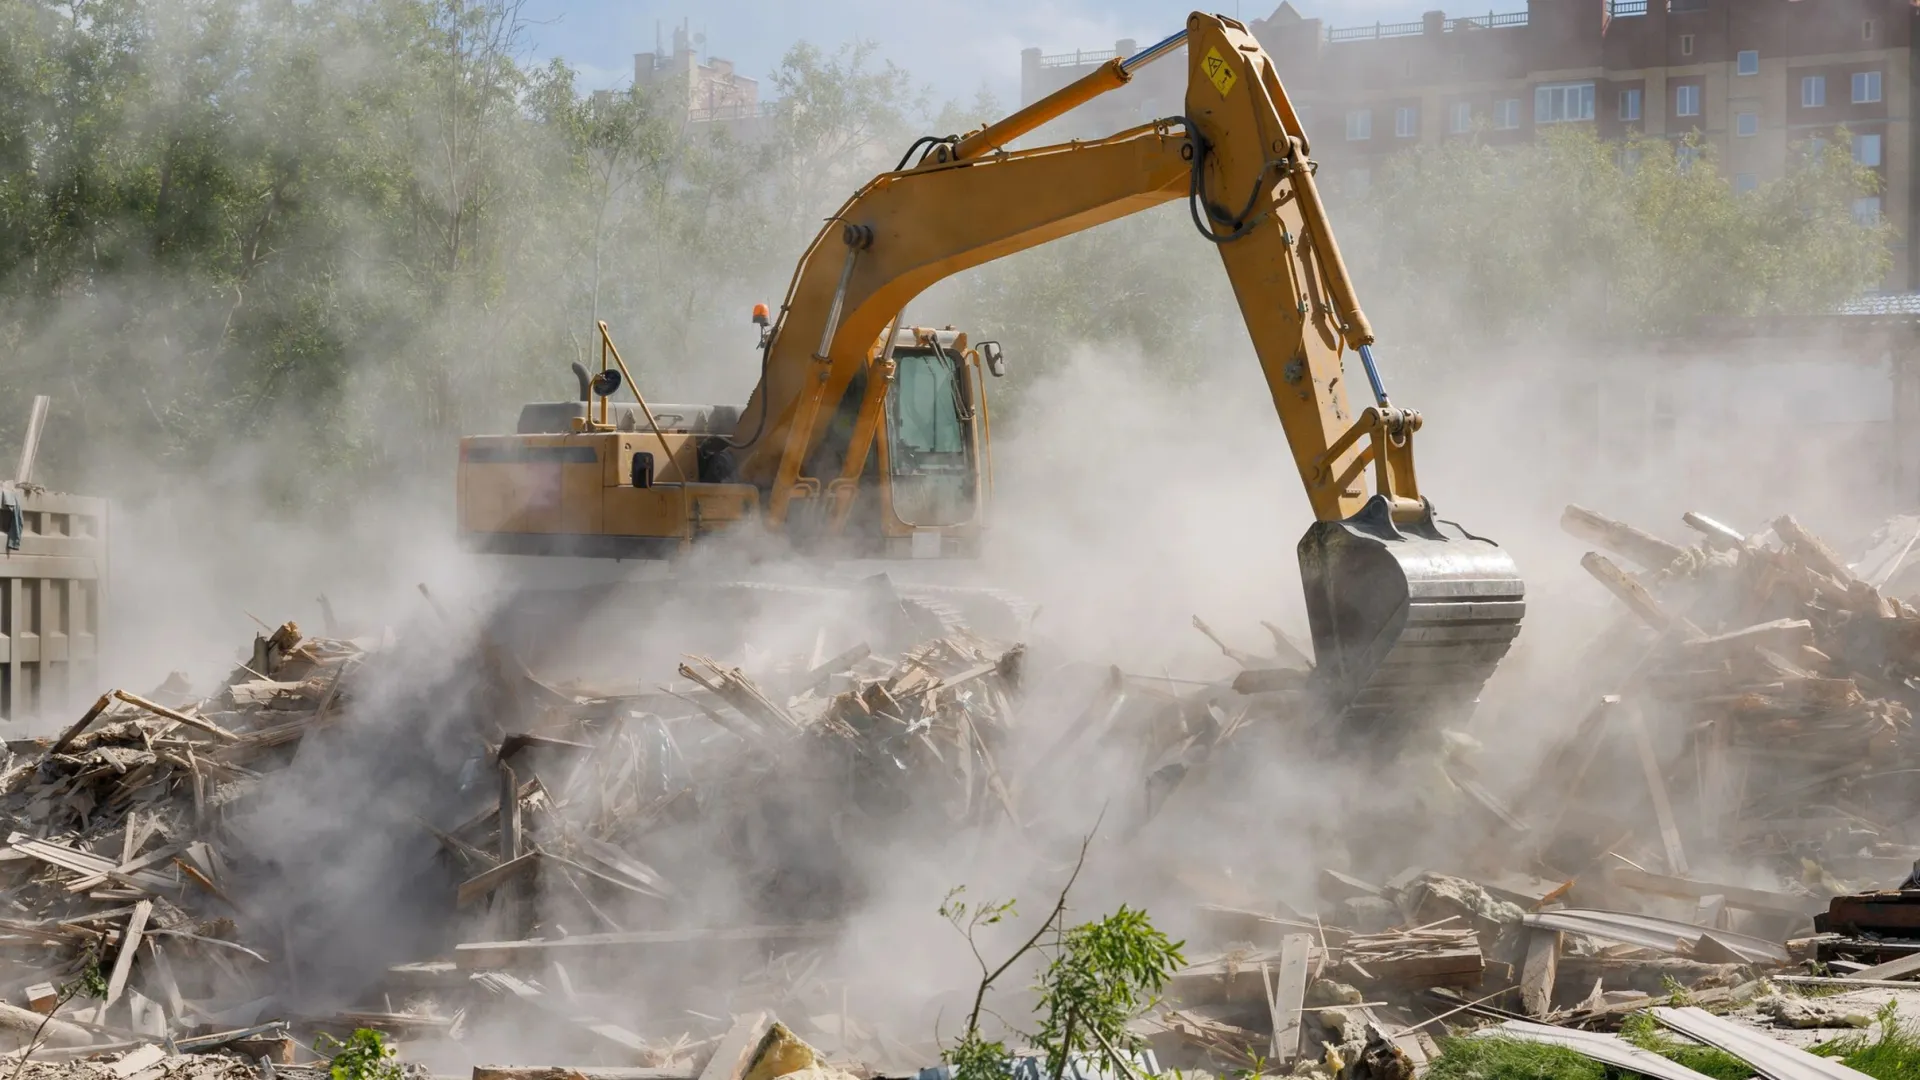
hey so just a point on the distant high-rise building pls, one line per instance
(1761, 81)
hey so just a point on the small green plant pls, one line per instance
(1677, 995)
(1103, 974)
(1099, 976)
(364, 1055)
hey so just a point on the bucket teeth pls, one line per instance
(1409, 620)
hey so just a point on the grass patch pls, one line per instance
(1511, 1059)
(1892, 1054)
(1643, 1031)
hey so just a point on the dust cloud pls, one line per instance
(1126, 502)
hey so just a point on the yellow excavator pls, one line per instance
(864, 437)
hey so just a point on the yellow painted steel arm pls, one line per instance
(926, 225)
(1253, 194)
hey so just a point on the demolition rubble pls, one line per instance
(1722, 822)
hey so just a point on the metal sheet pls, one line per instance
(1668, 935)
(1606, 1049)
(1771, 1058)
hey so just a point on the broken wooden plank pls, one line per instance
(1892, 969)
(738, 1048)
(1244, 659)
(199, 723)
(1336, 886)
(1633, 594)
(509, 813)
(1657, 790)
(1812, 550)
(81, 724)
(613, 1033)
(1736, 896)
(1787, 634)
(1620, 538)
(483, 883)
(24, 1026)
(137, 1060)
(489, 954)
(1538, 972)
(1289, 995)
(129, 947)
(1461, 966)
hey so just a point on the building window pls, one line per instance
(1747, 124)
(1866, 87)
(1686, 44)
(1813, 92)
(1406, 122)
(1866, 30)
(1866, 150)
(1686, 101)
(1562, 103)
(1866, 211)
(1748, 62)
(1359, 124)
(1686, 156)
(1462, 118)
(1745, 182)
(1506, 114)
(1629, 104)
(1816, 147)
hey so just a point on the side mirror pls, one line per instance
(606, 382)
(996, 360)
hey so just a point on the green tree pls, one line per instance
(1572, 233)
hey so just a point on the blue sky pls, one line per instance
(955, 46)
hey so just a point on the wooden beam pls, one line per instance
(1773, 903)
(1657, 788)
(129, 947)
(737, 1049)
(81, 725)
(1633, 594)
(509, 815)
(483, 883)
(541, 951)
(1620, 538)
(1537, 974)
(1289, 996)
(30, 445)
(1892, 969)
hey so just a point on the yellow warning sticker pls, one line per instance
(1218, 73)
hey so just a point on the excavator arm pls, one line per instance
(1408, 613)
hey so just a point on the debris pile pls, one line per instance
(1714, 826)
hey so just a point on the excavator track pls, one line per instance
(1409, 621)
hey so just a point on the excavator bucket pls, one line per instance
(1409, 620)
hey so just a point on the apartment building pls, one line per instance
(1761, 81)
(713, 90)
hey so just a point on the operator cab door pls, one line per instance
(931, 447)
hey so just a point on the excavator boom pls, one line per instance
(1409, 613)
